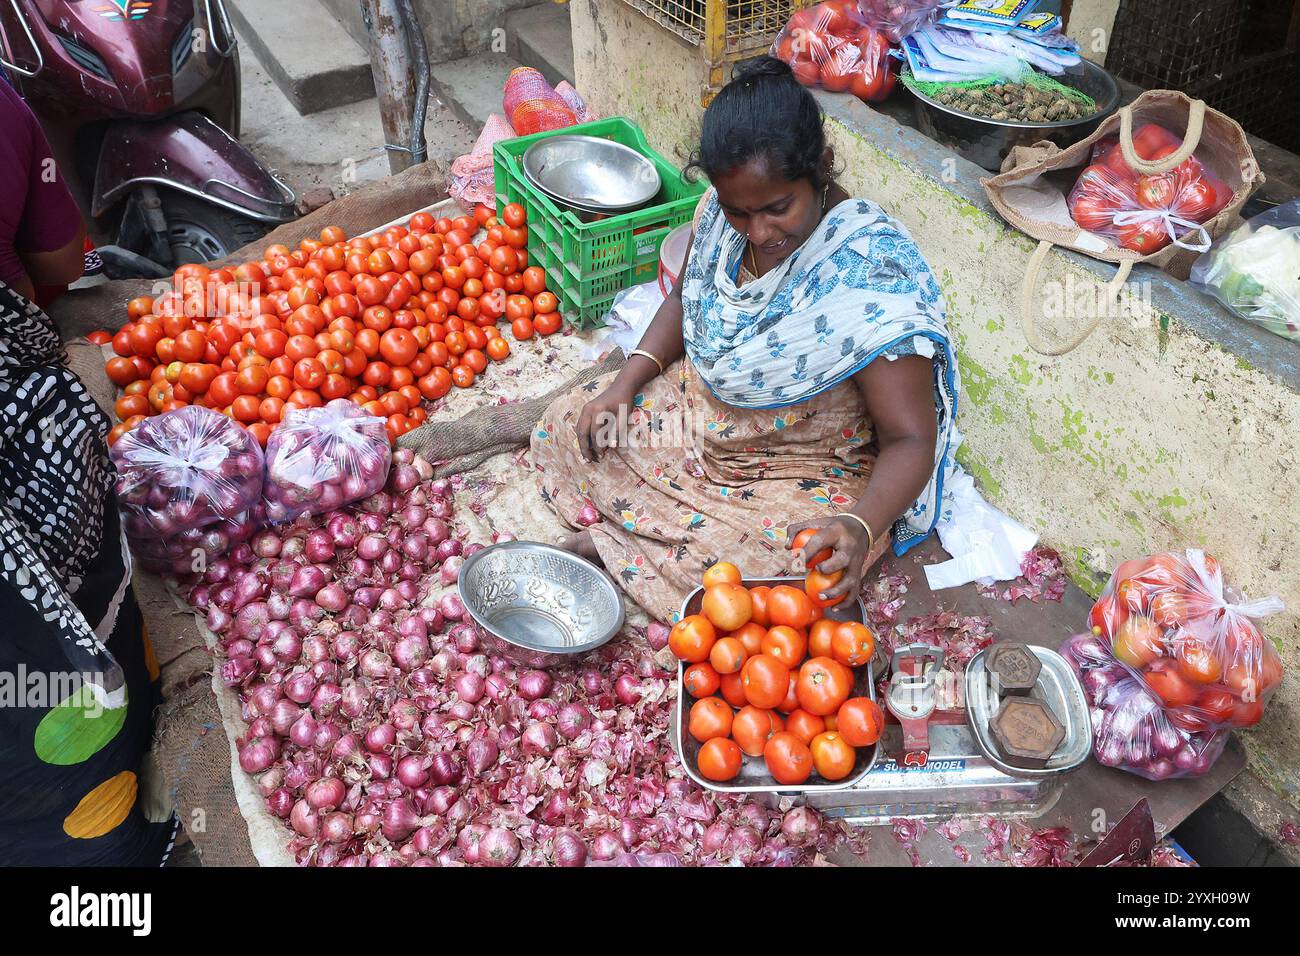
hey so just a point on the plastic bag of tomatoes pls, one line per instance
(1131, 729)
(833, 46)
(1147, 212)
(320, 459)
(1191, 639)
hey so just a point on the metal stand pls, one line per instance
(399, 60)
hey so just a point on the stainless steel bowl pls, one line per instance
(538, 605)
(590, 173)
(987, 142)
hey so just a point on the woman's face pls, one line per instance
(775, 214)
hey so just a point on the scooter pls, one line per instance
(140, 102)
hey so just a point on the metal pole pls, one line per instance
(397, 82)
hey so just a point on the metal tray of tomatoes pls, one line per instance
(754, 776)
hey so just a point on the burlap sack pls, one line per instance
(1030, 193)
(467, 442)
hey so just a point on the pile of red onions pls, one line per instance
(187, 484)
(320, 459)
(381, 734)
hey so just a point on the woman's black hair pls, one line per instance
(763, 113)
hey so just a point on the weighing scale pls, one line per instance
(931, 767)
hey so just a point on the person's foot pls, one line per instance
(581, 544)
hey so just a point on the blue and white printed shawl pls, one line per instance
(857, 289)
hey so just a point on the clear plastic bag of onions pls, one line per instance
(1131, 728)
(188, 482)
(320, 459)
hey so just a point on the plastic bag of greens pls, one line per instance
(1191, 639)
(320, 459)
(184, 470)
(1131, 730)
(1255, 270)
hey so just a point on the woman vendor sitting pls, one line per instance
(800, 375)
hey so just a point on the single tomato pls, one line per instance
(788, 759)
(691, 638)
(710, 717)
(789, 606)
(727, 655)
(860, 721)
(721, 572)
(824, 684)
(1138, 642)
(753, 727)
(853, 644)
(832, 756)
(786, 644)
(728, 606)
(701, 680)
(720, 759)
(732, 688)
(766, 681)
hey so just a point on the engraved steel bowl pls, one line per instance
(537, 605)
(987, 142)
(590, 173)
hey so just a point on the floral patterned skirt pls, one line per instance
(697, 481)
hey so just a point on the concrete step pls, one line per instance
(472, 86)
(539, 37)
(306, 51)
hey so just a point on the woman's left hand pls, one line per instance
(849, 546)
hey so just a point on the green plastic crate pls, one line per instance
(588, 263)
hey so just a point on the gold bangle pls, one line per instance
(871, 538)
(645, 354)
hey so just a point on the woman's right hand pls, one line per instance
(604, 420)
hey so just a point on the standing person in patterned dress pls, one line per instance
(800, 375)
(78, 682)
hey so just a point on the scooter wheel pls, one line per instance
(199, 231)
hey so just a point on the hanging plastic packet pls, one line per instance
(1036, 24)
(1000, 17)
(830, 45)
(896, 18)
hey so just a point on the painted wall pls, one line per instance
(1090, 23)
(1151, 435)
(627, 65)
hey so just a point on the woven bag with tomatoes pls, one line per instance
(1192, 639)
(1145, 213)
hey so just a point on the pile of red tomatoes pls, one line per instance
(387, 320)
